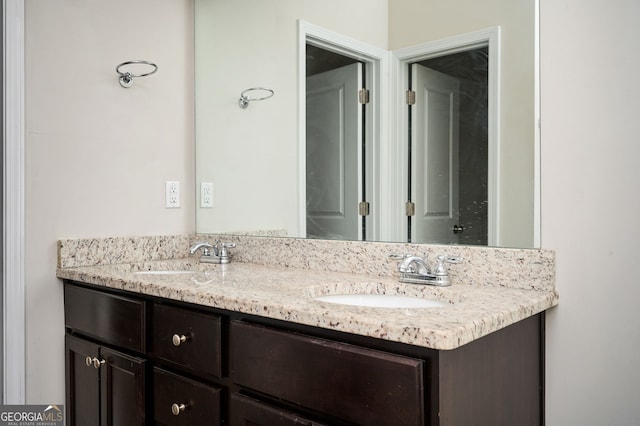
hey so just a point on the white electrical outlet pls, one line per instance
(206, 195)
(173, 194)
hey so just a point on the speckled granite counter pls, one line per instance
(476, 305)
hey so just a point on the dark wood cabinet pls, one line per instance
(142, 360)
(111, 379)
(105, 373)
(104, 386)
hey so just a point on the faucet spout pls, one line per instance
(205, 246)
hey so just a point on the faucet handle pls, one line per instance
(399, 257)
(441, 269)
(223, 253)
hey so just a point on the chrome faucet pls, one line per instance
(416, 270)
(213, 253)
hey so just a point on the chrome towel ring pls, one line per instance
(245, 98)
(126, 78)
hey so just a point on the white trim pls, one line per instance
(377, 66)
(14, 205)
(401, 58)
(537, 167)
(397, 156)
(302, 130)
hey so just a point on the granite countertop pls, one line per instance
(286, 293)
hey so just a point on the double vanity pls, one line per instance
(301, 332)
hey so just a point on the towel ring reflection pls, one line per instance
(245, 99)
(126, 78)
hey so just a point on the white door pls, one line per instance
(434, 156)
(334, 170)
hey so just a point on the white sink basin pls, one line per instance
(381, 301)
(164, 272)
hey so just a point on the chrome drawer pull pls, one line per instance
(178, 339)
(176, 409)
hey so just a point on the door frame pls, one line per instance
(401, 59)
(13, 309)
(376, 62)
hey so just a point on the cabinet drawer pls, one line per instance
(201, 403)
(199, 351)
(251, 412)
(349, 382)
(112, 319)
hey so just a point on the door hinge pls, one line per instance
(410, 208)
(363, 96)
(363, 208)
(411, 97)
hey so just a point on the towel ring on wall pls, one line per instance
(245, 99)
(126, 78)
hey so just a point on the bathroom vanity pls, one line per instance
(177, 342)
(245, 369)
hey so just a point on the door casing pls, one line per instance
(13, 273)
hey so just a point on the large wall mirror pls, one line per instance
(453, 161)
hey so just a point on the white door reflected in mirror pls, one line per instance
(334, 132)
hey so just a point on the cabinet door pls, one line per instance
(82, 382)
(247, 411)
(122, 389)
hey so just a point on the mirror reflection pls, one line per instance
(457, 166)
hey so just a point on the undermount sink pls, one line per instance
(381, 301)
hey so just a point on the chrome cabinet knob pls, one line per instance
(97, 363)
(176, 409)
(88, 361)
(178, 339)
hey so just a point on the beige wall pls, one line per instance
(590, 205)
(413, 22)
(98, 155)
